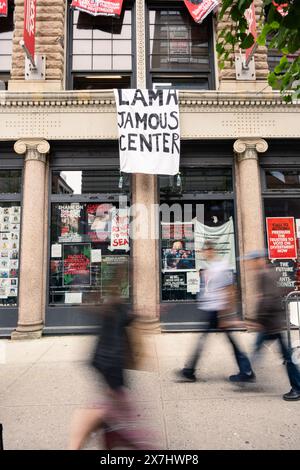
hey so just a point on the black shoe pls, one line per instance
(292, 395)
(243, 377)
(184, 376)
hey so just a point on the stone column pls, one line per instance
(250, 211)
(30, 319)
(144, 191)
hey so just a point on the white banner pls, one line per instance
(222, 237)
(119, 239)
(149, 135)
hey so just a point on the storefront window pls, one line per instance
(283, 179)
(205, 219)
(10, 219)
(89, 240)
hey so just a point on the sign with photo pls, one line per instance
(70, 216)
(9, 253)
(77, 264)
(149, 131)
(178, 251)
(3, 7)
(111, 266)
(99, 222)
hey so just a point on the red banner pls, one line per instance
(3, 7)
(282, 8)
(29, 27)
(199, 9)
(99, 7)
(251, 20)
(281, 238)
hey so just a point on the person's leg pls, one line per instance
(259, 341)
(292, 370)
(241, 358)
(84, 422)
(189, 370)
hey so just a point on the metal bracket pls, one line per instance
(243, 71)
(39, 71)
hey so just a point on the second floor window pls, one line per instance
(100, 51)
(6, 42)
(180, 50)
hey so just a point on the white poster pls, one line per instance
(73, 297)
(96, 256)
(221, 236)
(192, 282)
(56, 250)
(149, 132)
(119, 239)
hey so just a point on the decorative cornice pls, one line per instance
(33, 149)
(248, 149)
(189, 101)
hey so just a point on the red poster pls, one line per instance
(29, 27)
(281, 238)
(251, 20)
(3, 7)
(99, 7)
(199, 9)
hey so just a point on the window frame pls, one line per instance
(210, 75)
(5, 74)
(129, 5)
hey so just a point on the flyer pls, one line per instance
(77, 264)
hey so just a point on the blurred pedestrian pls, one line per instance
(270, 316)
(215, 299)
(116, 415)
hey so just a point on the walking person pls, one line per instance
(215, 299)
(271, 318)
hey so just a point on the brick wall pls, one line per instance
(49, 38)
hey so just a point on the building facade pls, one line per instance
(59, 164)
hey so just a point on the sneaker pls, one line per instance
(243, 377)
(184, 376)
(292, 395)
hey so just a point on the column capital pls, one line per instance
(34, 149)
(247, 149)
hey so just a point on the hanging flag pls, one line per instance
(3, 7)
(99, 7)
(149, 136)
(29, 28)
(251, 21)
(199, 9)
(282, 8)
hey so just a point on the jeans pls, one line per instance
(292, 370)
(241, 358)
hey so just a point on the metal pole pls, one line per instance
(1, 437)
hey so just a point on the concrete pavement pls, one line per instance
(43, 381)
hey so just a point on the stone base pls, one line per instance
(34, 85)
(16, 335)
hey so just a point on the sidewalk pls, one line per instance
(43, 381)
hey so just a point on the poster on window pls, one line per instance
(9, 254)
(70, 216)
(281, 238)
(178, 253)
(99, 7)
(77, 265)
(99, 222)
(119, 230)
(115, 275)
(3, 7)
(149, 132)
(199, 9)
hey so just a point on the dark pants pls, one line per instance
(292, 370)
(241, 358)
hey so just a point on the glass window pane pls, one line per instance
(83, 258)
(82, 47)
(125, 33)
(127, 17)
(5, 62)
(10, 181)
(82, 62)
(102, 47)
(10, 219)
(98, 34)
(82, 33)
(283, 179)
(121, 62)
(121, 47)
(101, 62)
